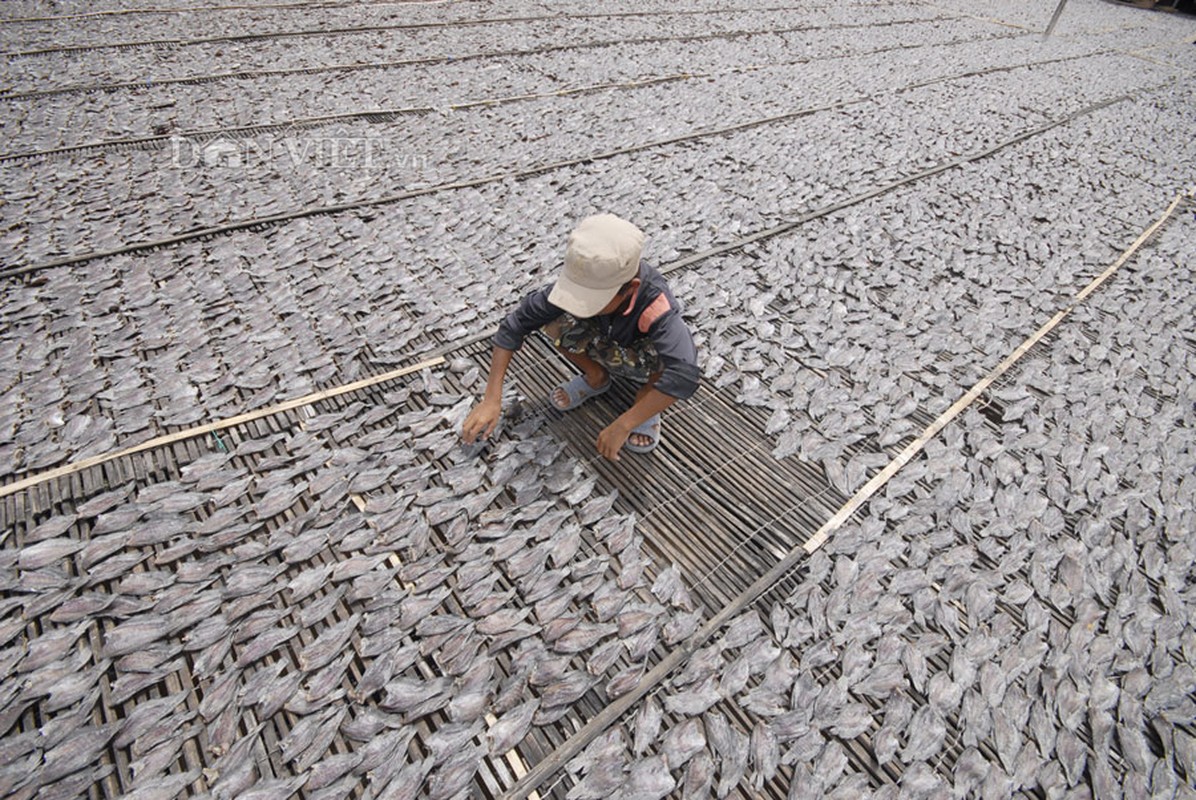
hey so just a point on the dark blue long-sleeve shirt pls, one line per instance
(655, 313)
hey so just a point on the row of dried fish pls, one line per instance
(970, 651)
(202, 334)
(554, 30)
(360, 624)
(352, 159)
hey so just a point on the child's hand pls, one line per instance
(612, 439)
(482, 420)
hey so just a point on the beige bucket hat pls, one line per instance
(602, 254)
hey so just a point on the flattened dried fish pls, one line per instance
(323, 737)
(328, 644)
(317, 610)
(765, 754)
(407, 781)
(319, 687)
(455, 773)
(154, 762)
(265, 643)
(695, 700)
(257, 684)
(566, 690)
(51, 528)
(582, 637)
(80, 749)
(330, 769)
(509, 729)
(383, 669)
(114, 567)
(274, 789)
(649, 779)
(74, 686)
(101, 503)
(51, 646)
(146, 582)
(48, 551)
(308, 582)
(647, 725)
(597, 508)
(406, 694)
(278, 500)
(246, 580)
(85, 606)
(307, 730)
(131, 683)
(565, 545)
(218, 695)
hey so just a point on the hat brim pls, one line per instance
(580, 301)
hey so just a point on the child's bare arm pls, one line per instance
(649, 403)
(483, 418)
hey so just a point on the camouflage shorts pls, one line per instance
(635, 362)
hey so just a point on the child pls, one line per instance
(607, 314)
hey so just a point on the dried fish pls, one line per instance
(312, 613)
(80, 749)
(246, 580)
(50, 528)
(274, 789)
(407, 781)
(566, 690)
(695, 700)
(328, 644)
(85, 606)
(382, 669)
(265, 643)
(510, 729)
(331, 769)
(597, 508)
(698, 777)
(155, 761)
(308, 582)
(765, 754)
(647, 725)
(48, 551)
(649, 779)
(927, 732)
(74, 686)
(319, 687)
(565, 545)
(112, 568)
(218, 695)
(582, 637)
(52, 646)
(406, 694)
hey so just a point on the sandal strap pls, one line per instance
(650, 428)
(577, 389)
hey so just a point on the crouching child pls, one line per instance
(611, 316)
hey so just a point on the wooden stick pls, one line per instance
(609, 715)
(211, 427)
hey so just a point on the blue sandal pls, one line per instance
(650, 428)
(578, 390)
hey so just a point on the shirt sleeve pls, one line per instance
(532, 313)
(675, 345)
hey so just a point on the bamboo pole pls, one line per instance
(212, 427)
(609, 715)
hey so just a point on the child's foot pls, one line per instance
(574, 392)
(645, 436)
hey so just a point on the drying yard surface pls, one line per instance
(212, 208)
